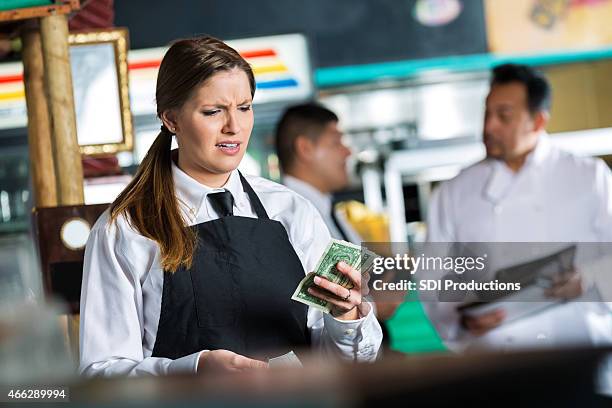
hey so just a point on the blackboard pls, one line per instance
(341, 32)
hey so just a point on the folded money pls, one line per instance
(336, 251)
(286, 360)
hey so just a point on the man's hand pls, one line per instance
(483, 323)
(567, 286)
(227, 361)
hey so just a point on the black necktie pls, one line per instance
(338, 226)
(222, 202)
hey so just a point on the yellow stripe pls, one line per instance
(269, 68)
(12, 95)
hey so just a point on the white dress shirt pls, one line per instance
(554, 197)
(323, 203)
(123, 280)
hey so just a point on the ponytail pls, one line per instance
(150, 205)
(149, 202)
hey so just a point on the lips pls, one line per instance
(229, 147)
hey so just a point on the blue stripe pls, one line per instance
(281, 83)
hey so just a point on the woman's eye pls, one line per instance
(245, 108)
(211, 112)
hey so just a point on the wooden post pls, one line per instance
(66, 153)
(39, 136)
(39, 130)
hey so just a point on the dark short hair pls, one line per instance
(308, 120)
(539, 93)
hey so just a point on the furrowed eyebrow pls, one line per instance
(220, 105)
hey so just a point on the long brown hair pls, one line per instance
(149, 202)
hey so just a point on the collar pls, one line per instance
(501, 178)
(192, 194)
(322, 201)
(541, 152)
(537, 157)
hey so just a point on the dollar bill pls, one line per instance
(301, 294)
(336, 251)
(286, 360)
(367, 261)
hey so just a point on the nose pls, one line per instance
(231, 125)
(346, 152)
(490, 124)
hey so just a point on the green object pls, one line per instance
(15, 4)
(410, 330)
(359, 74)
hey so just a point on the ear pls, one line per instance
(540, 120)
(168, 117)
(304, 148)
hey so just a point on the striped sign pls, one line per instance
(281, 65)
(12, 96)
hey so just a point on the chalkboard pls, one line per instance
(341, 32)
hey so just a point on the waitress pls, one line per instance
(193, 266)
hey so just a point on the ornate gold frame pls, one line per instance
(119, 38)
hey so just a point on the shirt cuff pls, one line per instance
(187, 364)
(345, 331)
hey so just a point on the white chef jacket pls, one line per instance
(555, 197)
(323, 203)
(123, 279)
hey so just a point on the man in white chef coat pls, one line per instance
(525, 190)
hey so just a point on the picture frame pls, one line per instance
(99, 65)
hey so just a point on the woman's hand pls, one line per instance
(345, 302)
(226, 361)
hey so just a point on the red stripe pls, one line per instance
(247, 54)
(144, 64)
(137, 65)
(11, 78)
(268, 52)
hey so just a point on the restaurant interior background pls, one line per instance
(408, 79)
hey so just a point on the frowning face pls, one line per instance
(213, 127)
